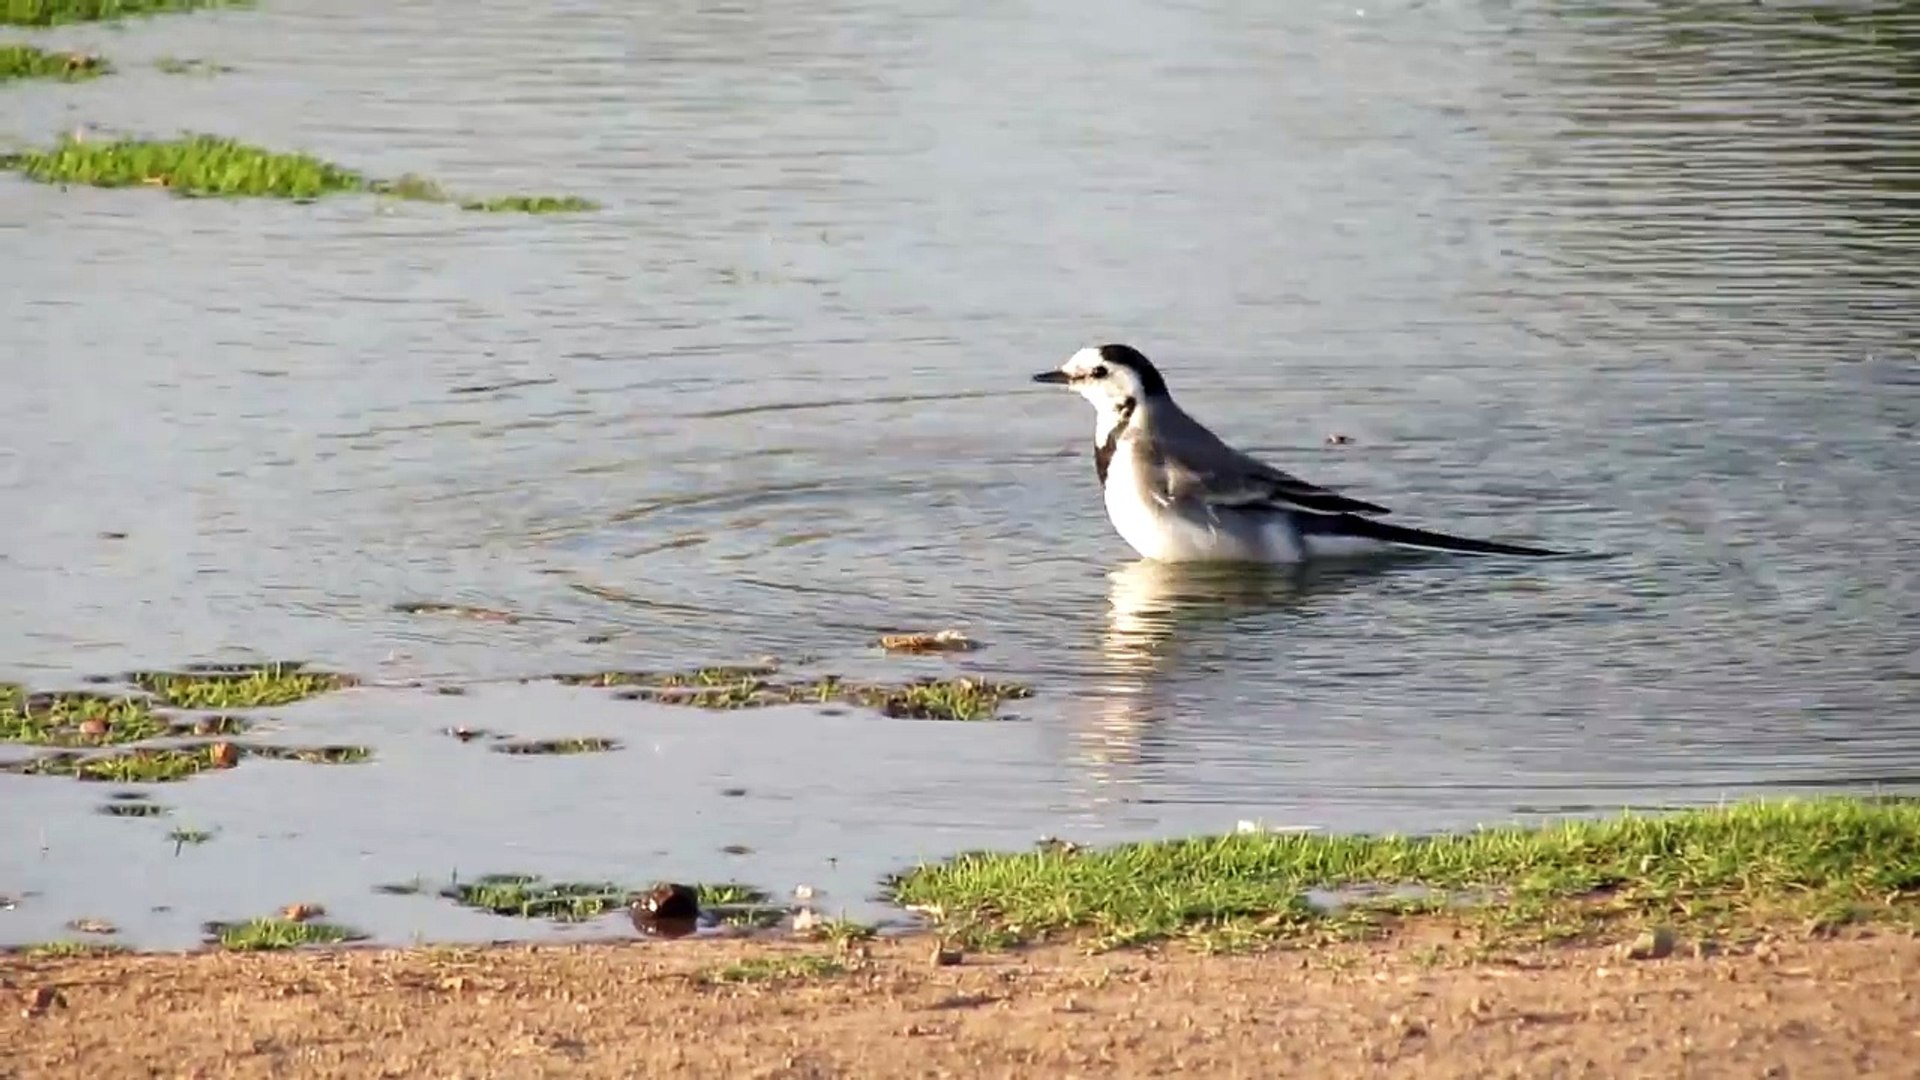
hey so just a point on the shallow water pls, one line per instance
(1633, 279)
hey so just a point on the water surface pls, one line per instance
(1635, 279)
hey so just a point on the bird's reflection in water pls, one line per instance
(1166, 623)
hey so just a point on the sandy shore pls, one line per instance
(1412, 1006)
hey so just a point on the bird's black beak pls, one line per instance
(1051, 377)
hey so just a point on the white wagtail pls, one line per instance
(1177, 493)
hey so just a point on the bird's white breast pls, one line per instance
(1181, 534)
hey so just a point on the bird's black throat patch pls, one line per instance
(1103, 453)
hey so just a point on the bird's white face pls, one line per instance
(1106, 384)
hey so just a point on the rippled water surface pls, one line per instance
(1636, 279)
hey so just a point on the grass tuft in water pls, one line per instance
(762, 969)
(60, 12)
(257, 935)
(311, 755)
(133, 809)
(63, 950)
(722, 894)
(238, 686)
(727, 688)
(26, 62)
(143, 766)
(75, 718)
(1822, 861)
(204, 165)
(588, 745)
(530, 204)
(183, 836)
(189, 65)
(528, 897)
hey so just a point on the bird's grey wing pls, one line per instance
(1220, 476)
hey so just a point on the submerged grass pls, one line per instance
(1825, 862)
(749, 687)
(75, 718)
(210, 165)
(143, 766)
(26, 62)
(59, 12)
(277, 933)
(238, 686)
(528, 897)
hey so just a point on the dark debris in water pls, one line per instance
(557, 746)
(133, 809)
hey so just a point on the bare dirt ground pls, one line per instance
(1842, 1007)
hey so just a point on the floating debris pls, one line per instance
(92, 926)
(134, 809)
(920, 642)
(462, 611)
(558, 746)
(302, 912)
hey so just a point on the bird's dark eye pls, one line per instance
(1100, 372)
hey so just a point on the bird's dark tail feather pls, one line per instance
(1352, 525)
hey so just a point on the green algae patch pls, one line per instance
(259, 935)
(202, 165)
(1818, 863)
(238, 686)
(27, 62)
(747, 687)
(62, 12)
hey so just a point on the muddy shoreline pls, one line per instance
(1410, 1004)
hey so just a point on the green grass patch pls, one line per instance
(60, 12)
(26, 62)
(213, 166)
(238, 686)
(1824, 862)
(164, 764)
(764, 969)
(57, 950)
(155, 765)
(256, 935)
(528, 897)
(749, 687)
(76, 718)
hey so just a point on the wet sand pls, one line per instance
(1416, 1005)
